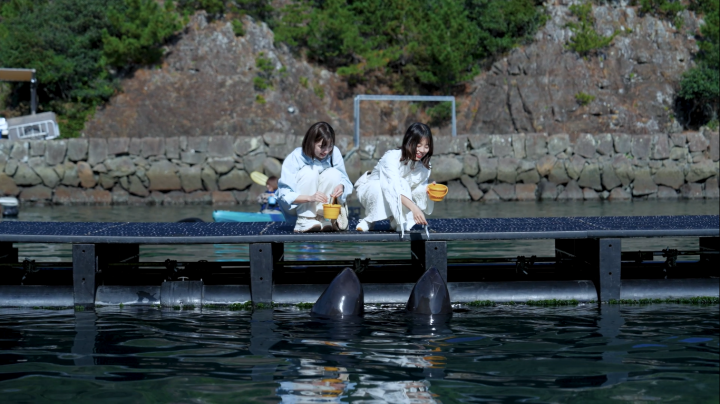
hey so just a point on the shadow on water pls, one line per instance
(501, 353)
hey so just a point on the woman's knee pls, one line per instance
(332, 175)
(306, 174)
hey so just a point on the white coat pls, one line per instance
(380, 191)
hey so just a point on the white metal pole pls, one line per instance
(356, 136)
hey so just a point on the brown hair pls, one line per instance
(320, 131)
(272, 181)
(414, 134)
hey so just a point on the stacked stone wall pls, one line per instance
(487, 168)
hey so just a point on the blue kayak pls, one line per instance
(230, 216)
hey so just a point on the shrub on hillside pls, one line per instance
(72, 44)
(585, 39)
(411, 45)
(699, 95)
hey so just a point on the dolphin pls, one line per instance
(430, 295)
(344, 297)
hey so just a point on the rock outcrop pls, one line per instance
(205, 87)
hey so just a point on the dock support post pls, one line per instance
(8, 253)
(84, 267)
(604, 256)
(430, 254)
(262, 263)
(609, 261)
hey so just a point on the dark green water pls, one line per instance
(586, 353)
(513, 354)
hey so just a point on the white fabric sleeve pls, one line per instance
(393, 185)
(287, 184)
(420, 196)
(339, 163)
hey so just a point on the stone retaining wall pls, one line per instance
(205, 170)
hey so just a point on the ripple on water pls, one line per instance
(502, 353)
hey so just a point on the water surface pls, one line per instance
(501, 354)
(496, 354)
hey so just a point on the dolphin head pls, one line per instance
(430, 295)
(344, 297)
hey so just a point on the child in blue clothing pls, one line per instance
(268, 199)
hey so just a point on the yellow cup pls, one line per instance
(331, 211)
(437, 192)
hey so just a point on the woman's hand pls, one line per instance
(427, 190)
(319, 197)
(419, 216)
(338, 191)
(316, 197)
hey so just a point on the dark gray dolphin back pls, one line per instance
(343, 297)
(430, 295)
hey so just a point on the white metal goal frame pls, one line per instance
(367, 97)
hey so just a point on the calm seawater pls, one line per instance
(513, 354)
(585, 353)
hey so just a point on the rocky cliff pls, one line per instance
(207, 85)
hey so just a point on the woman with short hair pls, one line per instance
(311, 176)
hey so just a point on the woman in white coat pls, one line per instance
(311, 176)
(397, 186)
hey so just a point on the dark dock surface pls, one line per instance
(439, 230)
(588, 263)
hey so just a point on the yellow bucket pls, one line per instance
(331, 211)
(437, 192)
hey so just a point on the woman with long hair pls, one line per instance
(397, 186)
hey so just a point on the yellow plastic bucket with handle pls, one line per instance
(331, 210)
(437, 192)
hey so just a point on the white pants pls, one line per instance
(309, 181)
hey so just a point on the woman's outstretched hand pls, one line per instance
(419, 216)
(338, 191)
(427, 190)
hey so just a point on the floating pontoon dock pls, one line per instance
(589, 263)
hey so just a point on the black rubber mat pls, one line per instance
(438, 229)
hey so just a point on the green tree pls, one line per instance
(699, 93)
(449, 48)
(138, 29)
(62, 40)
(412, 45)
(504, 24)
(72, 43)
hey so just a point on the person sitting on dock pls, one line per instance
(268, 199)
(397, 186)
(312, 175)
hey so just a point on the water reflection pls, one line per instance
(262, 338)
(406, 391)
(319, 384)
(494, 354)
(609, 326)
(85, 334)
